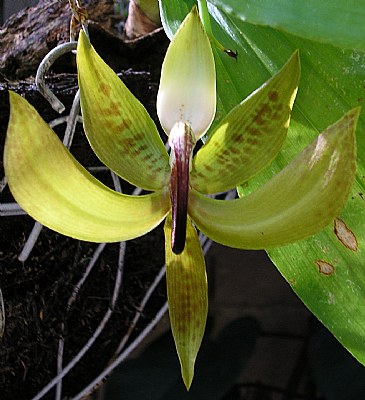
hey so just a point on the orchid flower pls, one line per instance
(303, 198)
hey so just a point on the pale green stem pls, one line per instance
(205, 18)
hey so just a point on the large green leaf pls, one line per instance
(332, 82)
(118, 127)
(340, 22)
(50, 185)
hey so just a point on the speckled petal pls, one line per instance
(118, 127)
(187, 292)
(53, 188)
(298, 202)
(250, 136)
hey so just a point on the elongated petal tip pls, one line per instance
(187, 292)
(187, 91)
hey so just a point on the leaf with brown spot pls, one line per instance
(116, 123)
(345, 235)
(325, 268)
(187, 292)
(254, 129)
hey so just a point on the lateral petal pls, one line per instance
(250, 136)
(50, 185)
(301, 200)
(187, 292)
(118, 127)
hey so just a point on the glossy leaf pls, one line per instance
(187, 91)
(338, 22)
(172, 14)
(301, 200)
(250, 136)
(118, 127)
(187, 293)
(50, 185)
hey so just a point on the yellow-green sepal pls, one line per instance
(187, 91)
(250, 136)
(53, 188)
(117, 125)
(298, 202)
(187, 292)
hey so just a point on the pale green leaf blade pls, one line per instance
(338, 22)
(301, 200)
(50, 185)
(118, 127)
(187, 91)
(187, 293)
(330, 278)
(250, 136)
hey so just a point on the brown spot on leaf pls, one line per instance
(345, 235)
(235, 150)
(325, 268)
(259, 120)
(237, 138)
(273, 95)
(265, 109)
(115, 107)
(254, 131)
(125, 124)
(105, 89)
(276, 116)
(252, 141)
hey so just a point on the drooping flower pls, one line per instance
(56, 190)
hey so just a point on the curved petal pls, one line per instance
(56, 190)
(187, 91)
(118, 127)
(187, 292)
(301, 200)
(250, 136)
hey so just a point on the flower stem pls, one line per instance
(205, 18)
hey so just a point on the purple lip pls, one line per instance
(182, 144)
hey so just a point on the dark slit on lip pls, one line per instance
(182, 147)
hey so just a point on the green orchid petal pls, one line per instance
(187, 91)
(187, 292)
(250, 136)
(301, 200)
(50, 185)
(118, 127)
